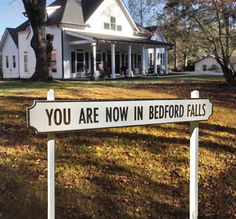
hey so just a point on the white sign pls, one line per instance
(62, 116)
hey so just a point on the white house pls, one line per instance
(92, 38)
(9, 50)
(209, 63)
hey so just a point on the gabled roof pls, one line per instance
(89, 7)
(151, 28)
(12, 33)
(74, 12)
(22, 26)
(232, 59)
(157, 34)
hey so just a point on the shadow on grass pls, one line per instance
(19, 198)
(219, 93)
(106, 189)
(119, 192)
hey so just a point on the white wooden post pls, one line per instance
(130, 74)
(155, 60)
(194, 139)
(120, 54)
(144, 61)
(51, 166)
(90, 62)
(113, 61)
(94, 46)
(166, 61)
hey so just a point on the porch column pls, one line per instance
(94, 45)
(120, 54)
(155, 60)
(113, 61)
(144, 61)
(166, 61)
(90, 62)
(129, 62)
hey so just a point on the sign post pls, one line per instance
(51, 166)
(65, 116)
(194, 139)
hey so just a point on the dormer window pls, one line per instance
(119, 28)
(112, 25)
(106, 26)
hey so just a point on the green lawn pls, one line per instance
(137, 172)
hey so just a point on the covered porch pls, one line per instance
(98, 56)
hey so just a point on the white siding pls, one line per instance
(9, 50)
(24, 38)
(67, 58)
(25, 48)
(159, 51)
(103, 15)
(57, 43)
(208, 62)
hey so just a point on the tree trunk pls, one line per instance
(229, 74)
(185, 59)
(175, 56)
(36, 13)
(39, 45)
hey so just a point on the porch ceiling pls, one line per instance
(102, 38)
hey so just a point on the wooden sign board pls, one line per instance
(65, 116)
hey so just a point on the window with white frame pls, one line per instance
(99, 60)
(72, 62)
(25, 62)
(7, 62)
(54, 61)
(161, 59)
(14, 61)
(112, 25)
(80, 61)
(204, 67)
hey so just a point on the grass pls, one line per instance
(137, 172)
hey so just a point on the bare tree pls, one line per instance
(143, 10)
(214, 28)
(41, 44)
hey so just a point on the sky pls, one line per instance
(11, 13)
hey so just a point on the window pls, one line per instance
(54, 61)
(119, 28)
(73, 62)
(26, 63)
(7, 62)
(14, 61)
(106, 26)
(150, 59)
(87, 62)
(204, 67)
(112, 25)
(214, 67)
(139, 60)
(161, 59)
(113, 20)
(99, 60)
(80, 61)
